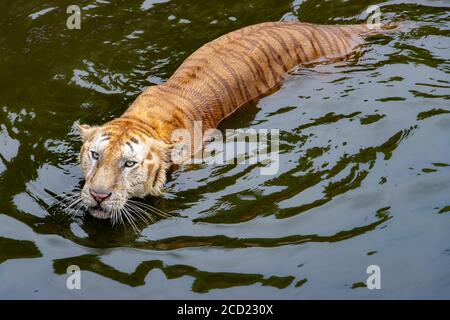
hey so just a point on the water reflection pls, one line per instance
(17, 249)
(359, 135)
(203, 281)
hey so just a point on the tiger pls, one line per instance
(129, 156)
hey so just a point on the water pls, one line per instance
(364, 164)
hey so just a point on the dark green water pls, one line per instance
(364, 166)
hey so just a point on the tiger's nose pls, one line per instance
(99, 196)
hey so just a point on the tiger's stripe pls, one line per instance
(234, 69)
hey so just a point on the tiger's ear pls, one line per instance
(86, 131)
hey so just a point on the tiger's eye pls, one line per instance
(95, 155)
(130, 163)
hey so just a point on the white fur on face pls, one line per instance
(132, 180)
(135, 151)
(98, 144)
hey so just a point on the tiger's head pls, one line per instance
(120, 161)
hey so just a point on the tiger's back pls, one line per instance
(236, 68)
(247, 63)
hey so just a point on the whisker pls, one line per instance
(148, 214)
(77, 205)
(153, 209)
(79, 208)
(114, 216)
(129, 219)
(62, 201)
(141, 217)
(56, 196)
(120, 218)
(73, 203)
(133, 221)
(141, 213)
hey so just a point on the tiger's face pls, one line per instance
(119, 162)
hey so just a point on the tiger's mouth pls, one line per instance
(99, 213)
